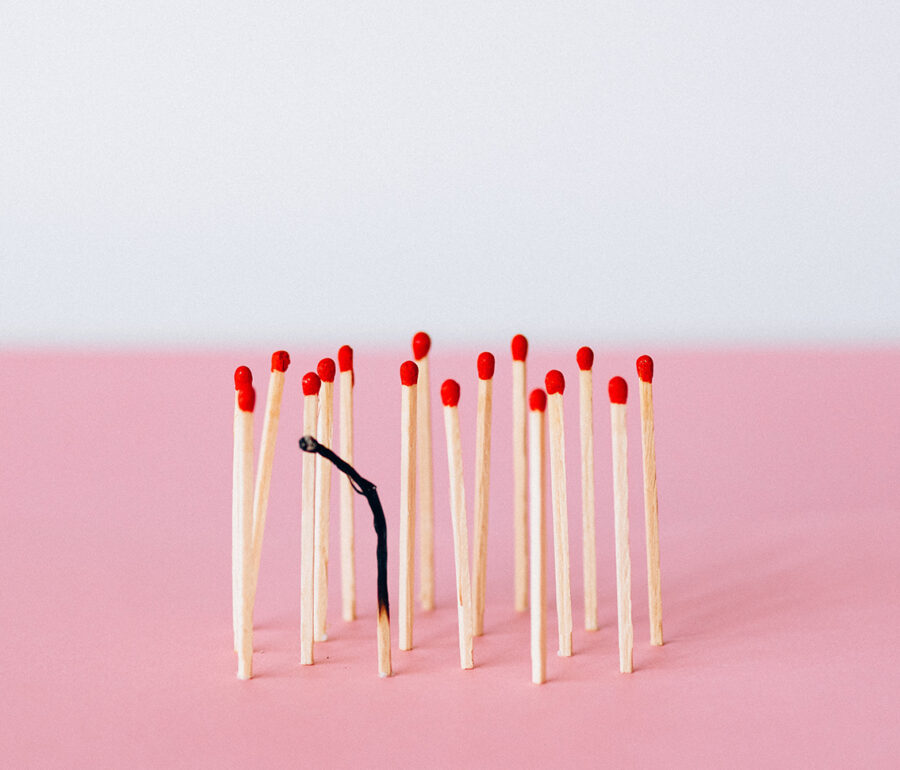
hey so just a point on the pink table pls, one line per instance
(780, 519)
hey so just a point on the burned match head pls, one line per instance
(645, 369)
(409, 373)
(280, 361)
(554, 382)
(345, 358)
(242, 376)
(585, 358)
(618, 391)
(311, 384)
(486, 364)
(519, 347)
(421, 344)
(308, 444)
(537, 400)
(326, 370)
(450, 393)
(246, 398)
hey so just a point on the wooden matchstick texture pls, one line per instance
(560, 523)
(651, 513)
(588, 515)
(348, 558)
(623, 557)
(537, 485)
(236, 531)
(520, 486)
(460, 536)
(407, 512)
(482, 494)
(323, 509)
(308, 535)
(245, 647)
(425, 471)
(264, 472)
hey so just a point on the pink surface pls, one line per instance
(780, 517)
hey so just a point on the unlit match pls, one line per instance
(242, 378)
(409, 375)
(311, 386)
(482, 486)
(519, 349)
(618, 395)
(421, 345)
(246, 400)
(585, 359)
(537, 485)
(348, 558)
(324, 434)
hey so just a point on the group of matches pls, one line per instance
(250, 499)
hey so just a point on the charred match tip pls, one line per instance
(585, 358)
(421, 344)
(409, 373)
(554, 382)
(450, 393)
(645, 368)
(519, 347)
(537, 400)
(486, 364)
(311, 384)
(325, 370)
(280, 361)
(242, 376)
(618, 390)
(246, 398)
(308, 444)
(345, 358)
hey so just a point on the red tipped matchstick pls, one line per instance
(537, 402)
(421, 345)
(325, 435)
(618, 395)
(246, 399)
(651, 507)
(348, 559)
(450, 399)
(242, 378)
(519, 349)
(311, 385)
(585, 360)
(485, 367)
(409, 375)
(555, 384)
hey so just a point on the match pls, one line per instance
(537, 484)
(421, 345)
(325, 434)
(585, 359)
(348, 558)
(246, 400)
(519, 348)
(409, 374)
(485, 368)
(311, 387)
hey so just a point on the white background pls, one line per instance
(216, 173)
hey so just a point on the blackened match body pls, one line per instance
(370, 492)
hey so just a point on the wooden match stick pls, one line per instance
(450, 399)
(311, 387)
(520, 472)
(280, 362)
(409, 374)
(242, 378)
(482, 486)
(536, 482)
(348, 557)
(555, 384)
(585, 359)
(421, 344)
(651, 511)
(246, 400)
(618, 395)
(324, 434)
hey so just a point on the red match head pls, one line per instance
(409, 373)
(280, 361)
(242, 376)
(519, 347)
(345, 358)
(311, 384)
(421, 344)
(537, 400)
(618, 391)
(246, 398)
(486, 366)
(450, 393)
(325, 370)
(554, 382)
(645, 368)
(585, 358)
